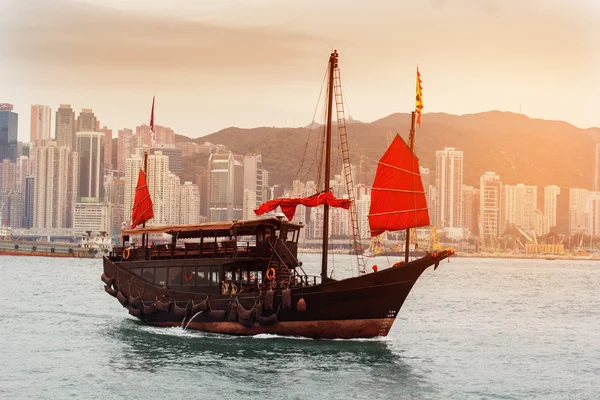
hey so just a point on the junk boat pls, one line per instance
(244, 277)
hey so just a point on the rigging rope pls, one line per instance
(312, 127)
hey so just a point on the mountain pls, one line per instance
(518, 148)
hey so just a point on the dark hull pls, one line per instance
(360, 307)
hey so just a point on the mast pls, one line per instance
(332, 64)
(411, 145)
(145, 236)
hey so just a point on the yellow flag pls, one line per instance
(419, 98)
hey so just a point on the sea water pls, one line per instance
(474, 328)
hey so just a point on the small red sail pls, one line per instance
(288, 205)
(397, 198)
(142, 203)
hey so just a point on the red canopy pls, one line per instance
(288, 206)
(397, 198)
(142, 203)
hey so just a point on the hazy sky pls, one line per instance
(220, 63)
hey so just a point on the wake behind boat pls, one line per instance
(244, 277)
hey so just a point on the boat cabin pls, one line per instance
(220, 258)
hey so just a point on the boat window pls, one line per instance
(160, 276)
(202, 276)
(284, 235)
(136, 271)
(246, 276)
(189, 276)
(228, 275)
(215, 276)
(175, 276)
(148, 274)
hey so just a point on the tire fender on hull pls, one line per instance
(122, 299)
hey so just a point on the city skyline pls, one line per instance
(227, 53)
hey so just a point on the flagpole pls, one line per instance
(411, 145)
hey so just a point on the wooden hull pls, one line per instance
(360, 307)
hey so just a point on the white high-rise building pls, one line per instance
(190, 204)
(172, 201)
(55, 171)
(490, 203)
(249, 204)
(226, 187)
(520, 204)
(41, 119)
(164, 188)
(158, 181)
(596, 185)
(449, 181)
(578, 211)
(551, 193)
(253, 176)
(24, 169)
(363, 207)
(132, 168)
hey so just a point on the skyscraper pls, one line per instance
(490, 203)
(29, 197)
(55, 177)
(596, 185)
(128, 142)
(65, 127)
(579, 212)
(107, 147)
(9, 126)
(90, 186)
(226, 187)
(253, 177)
(449, 180)
(551, 193)
(520, 203)
(190, 204)
(40, 123)
(174, 154)
(87, 121)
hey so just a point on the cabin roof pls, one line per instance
(213, 229)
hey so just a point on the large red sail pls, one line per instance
(142, 203)
(288, 205)
(397, 198)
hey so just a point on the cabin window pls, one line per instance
(215, 276)
(136, 271)
(148, 274)
(160, 277)
(189, 276)
(228, 275)
(175, 276)
(246, 276)
(203, 276)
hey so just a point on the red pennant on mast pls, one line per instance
(152, 116)
(152, 123)
(142, 204)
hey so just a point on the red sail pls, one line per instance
(397, 198)
(142, 204)
(288, 206)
